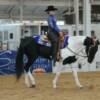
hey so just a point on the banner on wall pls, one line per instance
(7, 63)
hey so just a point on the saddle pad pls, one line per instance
(42, 39)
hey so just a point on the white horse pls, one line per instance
(78, 47)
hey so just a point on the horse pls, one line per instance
(69, 56)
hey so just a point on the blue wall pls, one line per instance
(7, 63)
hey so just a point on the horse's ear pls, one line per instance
(86, 41)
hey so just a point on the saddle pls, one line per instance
(43, 40)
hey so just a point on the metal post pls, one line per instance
(21, 10)
(76, 6)
(21, 16)
(87, 17)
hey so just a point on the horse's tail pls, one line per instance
(19, 62)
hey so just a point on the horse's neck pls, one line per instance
(76, 39)
(76, 42)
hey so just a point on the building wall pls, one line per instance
(71, 29)
(12, 41)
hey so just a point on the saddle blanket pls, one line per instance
(43, 40)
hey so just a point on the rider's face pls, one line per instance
(51, 12)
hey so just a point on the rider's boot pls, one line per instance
(58, 57)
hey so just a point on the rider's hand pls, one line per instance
(61, 34)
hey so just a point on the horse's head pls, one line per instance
(91, 48)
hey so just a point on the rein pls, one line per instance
(76, 53)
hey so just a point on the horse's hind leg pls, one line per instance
(29, 79)
(32, 79)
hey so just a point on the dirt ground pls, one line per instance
(67, 90)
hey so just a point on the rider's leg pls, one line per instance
(55, 51)
(55, 44)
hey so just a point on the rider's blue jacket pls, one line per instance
(52, 23)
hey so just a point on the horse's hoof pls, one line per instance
(33, 86)
(81, 87)
(54, 86)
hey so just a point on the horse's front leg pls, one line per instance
(58, 70)
(55, 81)
(75, 75)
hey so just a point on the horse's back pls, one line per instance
(27, 41)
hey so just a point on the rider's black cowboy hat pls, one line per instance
(51, 8)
